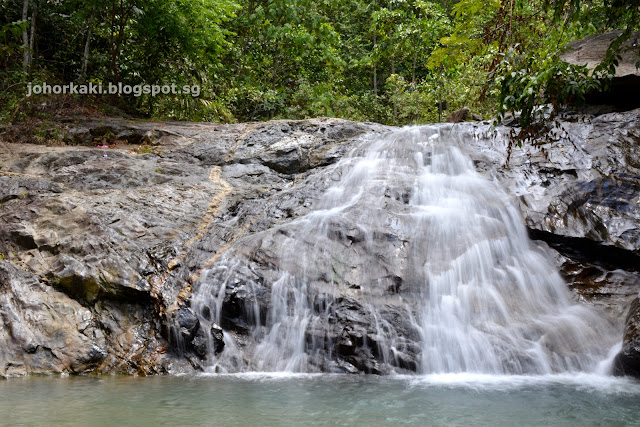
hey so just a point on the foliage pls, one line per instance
(536, 84)
(10, 78)
(536, 88)
(10, 40)
(391, 61)
(518, 43)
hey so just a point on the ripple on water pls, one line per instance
(312, 399)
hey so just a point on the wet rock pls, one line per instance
(341, 322)
(585, 187)
(122, 235)
(581, 197)
(107, 250)
(218, 339)
(192, 335)
(627, 361)
(188, 323)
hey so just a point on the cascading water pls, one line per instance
(431, 254)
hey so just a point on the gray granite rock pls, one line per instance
(105, 246)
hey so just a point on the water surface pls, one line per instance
(288, 400)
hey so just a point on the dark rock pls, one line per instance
(131, 136)
(188, 323)
(78, 136)
(191, 336)
(218, 339)
(199, 344)
(627, 361)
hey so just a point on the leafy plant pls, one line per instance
(537, 88)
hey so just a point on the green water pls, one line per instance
(259, 400)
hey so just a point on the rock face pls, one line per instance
(102, 248)
(627, 362)
(47, 330)
(97, 246)
(581, 198)
(592, 50)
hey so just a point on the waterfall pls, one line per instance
(406, 233)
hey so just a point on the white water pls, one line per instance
(482, 298)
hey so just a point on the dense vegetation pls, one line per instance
(393, 61)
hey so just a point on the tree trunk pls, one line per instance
(440, 105)
(119, 19)
(375, 80)
(274, 70)
(112, 37)
(32, 38)
(393, 55)
(25, 38)
(375, 67)
(85, 54)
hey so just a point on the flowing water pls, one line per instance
(409, 237)
(476, 294)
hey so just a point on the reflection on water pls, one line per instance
(285, 399)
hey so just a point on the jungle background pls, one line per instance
(393, 62)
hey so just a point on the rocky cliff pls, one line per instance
(102, 247)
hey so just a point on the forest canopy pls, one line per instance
(393, 62)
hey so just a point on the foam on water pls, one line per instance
(579, 381)
(269, 376)
(585, 382)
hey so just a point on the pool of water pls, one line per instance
(280, 399)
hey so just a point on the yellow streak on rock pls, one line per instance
(215, 176)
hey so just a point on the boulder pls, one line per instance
(42, 330)
(591, 51)
(627, 361)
